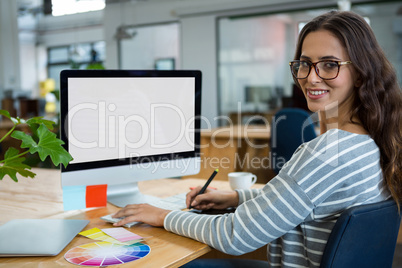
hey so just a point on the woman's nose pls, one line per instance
(313, 76)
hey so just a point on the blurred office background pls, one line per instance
(242, 46)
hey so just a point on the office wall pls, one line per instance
(198, 42)
(36, 34)
(28, 65)
(198, 45)
(198, 29)
(9, 53)
(387, 27)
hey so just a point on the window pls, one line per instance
(76, 56)
(66, 7)
(153, 46)
(254, 51)
(253, 58)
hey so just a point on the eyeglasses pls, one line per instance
(325, 69)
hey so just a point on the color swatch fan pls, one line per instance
(105, 253)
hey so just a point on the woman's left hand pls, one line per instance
(142, 213)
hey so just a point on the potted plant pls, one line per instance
(41, 141)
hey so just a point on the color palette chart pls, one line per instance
(121, 234)
(105, 253)
(124, 237)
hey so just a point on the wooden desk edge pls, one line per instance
(35, 188)
(190, 258)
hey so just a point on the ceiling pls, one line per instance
(36, 6)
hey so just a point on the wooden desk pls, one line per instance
(244, 117)
(236, 148)
(42, 198)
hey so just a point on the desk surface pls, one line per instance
(42, 198)
(239, 131)
(236, 148)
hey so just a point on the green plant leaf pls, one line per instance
(56, 93)
(13, 165)
(27, 141)
(16, 121)
(95, 66)
(48, 145)
(19, 120)
(38, 121)
(5, 113)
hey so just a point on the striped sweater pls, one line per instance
(295, 212)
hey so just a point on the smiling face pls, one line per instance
(323, 95)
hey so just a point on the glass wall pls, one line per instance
(150, 47)
(76, 56)
(386, 22)
(254, 52)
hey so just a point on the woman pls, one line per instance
(356, 160)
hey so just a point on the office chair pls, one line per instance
(290, 127)
(363, 236)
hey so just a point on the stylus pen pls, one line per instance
(207, 183)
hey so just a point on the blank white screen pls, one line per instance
(112, 118)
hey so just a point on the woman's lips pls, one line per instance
(316, 94)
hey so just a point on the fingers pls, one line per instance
(191, 195)
(215, 199)
(203, 206)
(125, 220)
(141, 213)
(194, 193)
(126, 211)
(202, 202)
(130, 214)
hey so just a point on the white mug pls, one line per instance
(241, 180)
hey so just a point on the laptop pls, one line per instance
(37, 237)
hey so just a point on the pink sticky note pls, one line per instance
(121, 234)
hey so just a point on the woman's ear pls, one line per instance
(358, 82)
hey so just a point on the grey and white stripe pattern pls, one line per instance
(295, 212)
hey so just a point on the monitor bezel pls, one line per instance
(65, 74)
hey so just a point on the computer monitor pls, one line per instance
(126, 126)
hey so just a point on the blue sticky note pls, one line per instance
(74, 197)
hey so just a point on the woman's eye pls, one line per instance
(330, 65)
(304, 64)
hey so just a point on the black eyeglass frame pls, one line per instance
(340, 63)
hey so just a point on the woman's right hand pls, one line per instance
(211, 199)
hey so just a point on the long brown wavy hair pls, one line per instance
(378, 101)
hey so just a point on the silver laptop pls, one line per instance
(37, 237)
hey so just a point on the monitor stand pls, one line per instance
(128, 193)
